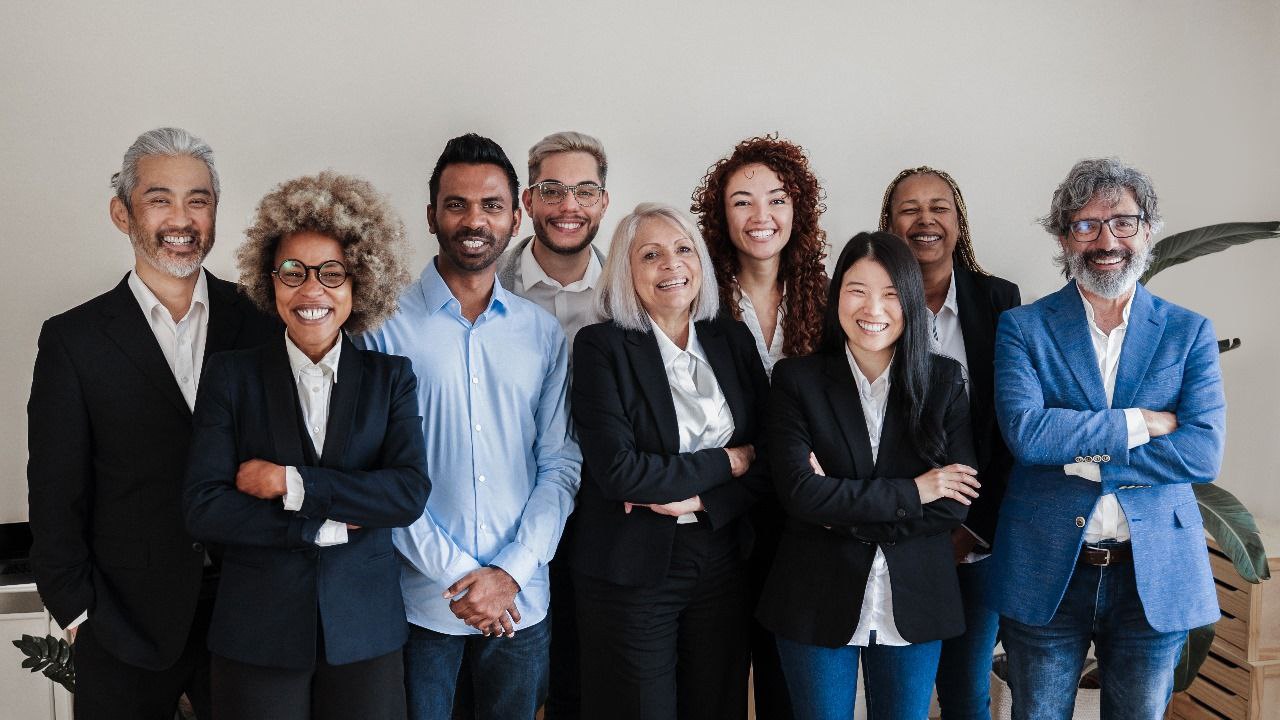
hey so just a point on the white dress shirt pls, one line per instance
(877, 600)
(572, 304)
(182, 342)
(702, 412)
(315, 387)
(770, 353)
(1108, 521)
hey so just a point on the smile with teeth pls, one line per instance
(567, 225)
(673, 283)
(872, 327)
(178, 239)
(312, 314)
(762, 234)
(926, 238)
(473, 244)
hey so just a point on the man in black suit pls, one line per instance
(109, 422)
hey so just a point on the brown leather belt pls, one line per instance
(1104, 556)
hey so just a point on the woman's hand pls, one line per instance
(740, 459)
(261, 479)
(674, 509)
(957, 482)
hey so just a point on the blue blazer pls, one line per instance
(1052, 409)
(277, 586)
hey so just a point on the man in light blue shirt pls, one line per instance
(492, 374)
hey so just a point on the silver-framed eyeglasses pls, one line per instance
(553, 193)
(293, 273)
(1121, 226)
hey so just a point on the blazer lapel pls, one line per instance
(342, 403)
(716, 346)
(1069, 328)
(846, 405)
(224, 316)
(652, 377)
(1146, 325)
(978, 329)
(282, 405)
(130, 330)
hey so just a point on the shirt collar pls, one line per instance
(866, 388)
(670, 352)
(148, 301)
(1124, 314)
(950, 303)
(437, 294)
(531, 273)
(298, 360)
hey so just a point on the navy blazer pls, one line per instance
(626, 425)
(835, 521)
(1053, 411)
(277, 586)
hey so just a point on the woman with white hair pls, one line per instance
(667, 405)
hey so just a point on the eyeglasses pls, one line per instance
(1121, 226)
(553, 193)
(293, 273)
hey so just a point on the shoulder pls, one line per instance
(735, 330)
(1175, 313)
(945, 369)
(91, 311)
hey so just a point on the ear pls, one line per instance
(517, 218)
(431, 219)
(119, 215)
(604, 201)
(526, 199)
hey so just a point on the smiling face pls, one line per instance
(758, 212)
(567, 227)
(923, 211)
(312, 313)
(665, 269)
(473, 216)
(1108, 266)
(170, 216)
(870, 313)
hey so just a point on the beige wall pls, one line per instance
(1003, 95)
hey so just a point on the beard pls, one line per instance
(153, 250)
(1109, 284)
(451, 246)
(544, 236)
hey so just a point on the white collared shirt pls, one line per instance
(877, 599)
(182, 342)
(315, 386)
(1108, 521)
(702, 412)
(572, 304)
(769, 353)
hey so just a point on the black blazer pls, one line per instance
(275, 580)
(981, 299)
(107, 435)
(626, 425)
(814, 592)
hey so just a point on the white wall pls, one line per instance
(1005, 96)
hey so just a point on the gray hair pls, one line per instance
(1105, 178)
(562, 142)
(617, 299)
(162, 141)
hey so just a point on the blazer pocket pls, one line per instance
(1187, 515)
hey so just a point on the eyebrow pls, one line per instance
(744, 192)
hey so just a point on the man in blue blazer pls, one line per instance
(1111, 401)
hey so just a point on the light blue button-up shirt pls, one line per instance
(504, 469)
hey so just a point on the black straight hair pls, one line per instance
(473, 149)
(911, 371)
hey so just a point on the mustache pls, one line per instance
(1123, 254)
(485, 235)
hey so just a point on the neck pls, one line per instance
(756, 276)
(1108, 313)
(872, 363)
(674, 325)
(564, 269)
(316, 352)
(172, 292)
(472, 288)
(937, 283)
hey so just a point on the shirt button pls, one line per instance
(901, 512)
(475, 379)
(185, 379)
(315, 430)
(481, 478)
(482, 526)
(315, 389)
(477, 427)
(197, 547)
(1079, 522)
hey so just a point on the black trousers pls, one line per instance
(773, 701)
(108, 688)
(564, 694)
(678, 649)
(369, 690)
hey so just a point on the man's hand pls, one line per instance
(962, 543)
(261, 479)
(740, 459)
(485, 599)
(1159, 423)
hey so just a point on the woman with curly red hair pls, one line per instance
(758, 210)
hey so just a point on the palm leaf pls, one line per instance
(1194, 651)
(1235, 531)
(1181, 247)
(54, 657)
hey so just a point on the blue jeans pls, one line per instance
(964, 670)
(509, 674)
(824, 681)
(1135, 661)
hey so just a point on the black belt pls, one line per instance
(1104, 556)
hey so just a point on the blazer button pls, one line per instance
(1097, 458)
(901, 512)
(1106, 458)
(1079, 522)
(1079, 459)
(198, 547)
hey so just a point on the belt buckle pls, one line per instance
(1106, 557)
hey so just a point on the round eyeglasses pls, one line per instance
(293, 273)
(553, 193)
(1121, 226)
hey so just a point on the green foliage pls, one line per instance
(1184, 246)
(1235, 531)
(1194, 650)
(49, 655)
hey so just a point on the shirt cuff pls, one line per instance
(1088, 471)
(1137, 428)
(295, 490)
(331, 532)
(519, 562)
(76, 623)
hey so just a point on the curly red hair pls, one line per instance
(801, 270)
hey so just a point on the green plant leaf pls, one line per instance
(1235, 531)
(1194, 650)
(1228, 344)
(1181, 247)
